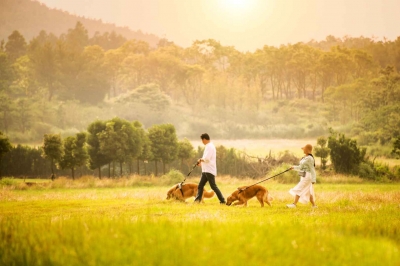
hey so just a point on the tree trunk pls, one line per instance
(99, 172)
(163, 167)
(138, 167)
(51, 163)
(113, 171)
(109, 170)
(120, 169)
(73, 173)
(156, 167)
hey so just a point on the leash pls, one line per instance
(181, 183)
(241, 190)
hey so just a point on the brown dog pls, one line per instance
(189, 190)
(254, 191)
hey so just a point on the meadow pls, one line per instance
(128, 221)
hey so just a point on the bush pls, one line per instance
(7, 181)
(365, 170)
(289, 177)
(172, 177)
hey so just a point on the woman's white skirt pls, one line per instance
(304, 189)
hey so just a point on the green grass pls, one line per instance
(355, 224)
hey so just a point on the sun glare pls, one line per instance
(235, 6)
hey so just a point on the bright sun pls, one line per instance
(236, 6)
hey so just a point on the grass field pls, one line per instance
(355, 224)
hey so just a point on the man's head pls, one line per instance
(205, 138)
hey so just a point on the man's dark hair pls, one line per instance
(205, 136)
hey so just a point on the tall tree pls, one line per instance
(5, 146)
(120, 140)
(75, 153)
(15, 46)
(52, 149)
(164, 144)
(96, 158)
(185, 151)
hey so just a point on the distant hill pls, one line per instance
(29, 17)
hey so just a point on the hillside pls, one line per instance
(30, 17)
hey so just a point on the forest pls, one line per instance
(61, 84)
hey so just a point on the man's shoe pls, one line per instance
(291, 206)
(314, 207)
(222, 203)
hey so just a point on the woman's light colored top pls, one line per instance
(307, 165)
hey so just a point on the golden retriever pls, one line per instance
(254, 191)
(189, 190)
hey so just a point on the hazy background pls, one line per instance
(244, 24)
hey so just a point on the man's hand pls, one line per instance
(199, 161)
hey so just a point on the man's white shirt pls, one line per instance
(210, 159)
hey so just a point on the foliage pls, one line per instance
(172, 177)
(52, 149)
(396, 146)
(75, 153)
(322, 151)
(120, 140)
(164, 143)
(344, 153)
(96, 158)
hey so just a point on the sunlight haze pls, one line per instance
(244, 24)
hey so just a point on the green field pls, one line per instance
(355, 224)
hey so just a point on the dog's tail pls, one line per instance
(267, 197)
(208, 194)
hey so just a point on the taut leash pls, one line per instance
(240, 190)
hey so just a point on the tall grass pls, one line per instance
(355, 224)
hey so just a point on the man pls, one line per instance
(209, 169)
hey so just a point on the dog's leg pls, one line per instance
(240, 202)
(261, 200)
(266, 199)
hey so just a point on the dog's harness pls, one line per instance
(180, 185)
(243, 189)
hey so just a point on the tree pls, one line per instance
(149, 95)
(52, 149)
(322, 151)
(164, 144)
(96, 158)
(185, 151)
(6, 108)
(145, 152)
(396, 146)
(6, 72)
(120, 140)
(15, 46)
(5, 146)
(345, 155)
(44, 59)
(75, 153)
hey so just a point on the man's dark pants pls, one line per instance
(207, 177)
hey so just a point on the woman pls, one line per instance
(304, 190)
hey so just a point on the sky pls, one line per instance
(245, 24)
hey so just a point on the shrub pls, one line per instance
(172, 177)
(7, 181)
(365, 170)
(286, 178)
(345, 155)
